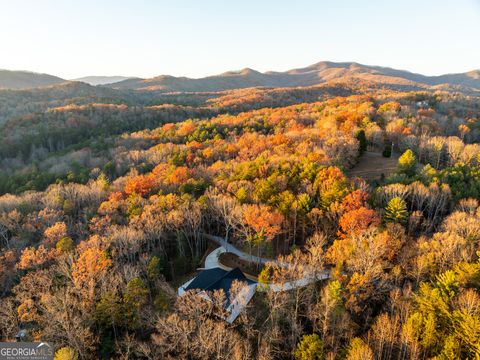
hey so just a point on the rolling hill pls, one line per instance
(315, 74)
(26, 80)
(310, 75)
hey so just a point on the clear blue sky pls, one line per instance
(197, 38)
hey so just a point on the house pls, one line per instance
(422, 104)
(22, 335)
(213, 279)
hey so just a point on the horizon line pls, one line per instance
(239, 70)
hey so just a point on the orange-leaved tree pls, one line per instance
(262, 224)
(141, 185)
(356, 199)
(358, 220)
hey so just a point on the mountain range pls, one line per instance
(26, 79)
(311, 75)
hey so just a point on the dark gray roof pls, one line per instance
(216, 279)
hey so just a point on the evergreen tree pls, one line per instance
(66, 353)
(310, 347)
(362, 140)
(154, 268)
(407, 163)
(161, 302)
(265, 275)
(396, 211)
(136, 293)
(387, 150)
(65, 244)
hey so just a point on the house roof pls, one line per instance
(216, 279)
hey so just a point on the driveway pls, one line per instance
(211, 261)
(230, 248)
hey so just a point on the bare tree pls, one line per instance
(225, 209)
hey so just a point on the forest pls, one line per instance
(109, 200)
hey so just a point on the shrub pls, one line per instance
(310, 347)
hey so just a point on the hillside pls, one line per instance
(19, 102)
(308, 76)
(106, 196)
(25, 80)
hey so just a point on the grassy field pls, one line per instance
(372, 165)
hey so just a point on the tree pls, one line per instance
(310, 347)
(55, 232)
(225, 209)
(358, 350)
(136, 293)
(265, 276)
(65, 244)
(192, 333)
(179, 176)
(358, 220)
(330, 316)
(9, 224)
(140, 185)
(370, 251)
(115, 311)
(463, 130)
(111, 312)
(32, 257)
(387, 150)
(154, 268)
(134, 298)
(91, 264)
(161, 302)
(407, 163)
(332, 185)
(263, 224)
(396, 211)
(66, 353)
(356, 199)
(466, 322)
(362, 140)
(8, 269)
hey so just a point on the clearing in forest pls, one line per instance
(372, 165)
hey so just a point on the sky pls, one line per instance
(196, 38)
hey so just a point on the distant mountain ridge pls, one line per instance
(311, 75)
(25, 80)
(315, 74)
(102, 80)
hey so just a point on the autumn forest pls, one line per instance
(363, 194)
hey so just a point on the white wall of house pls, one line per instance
(240, 302)
(181, 289)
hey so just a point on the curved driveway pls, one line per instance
(211, 261)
